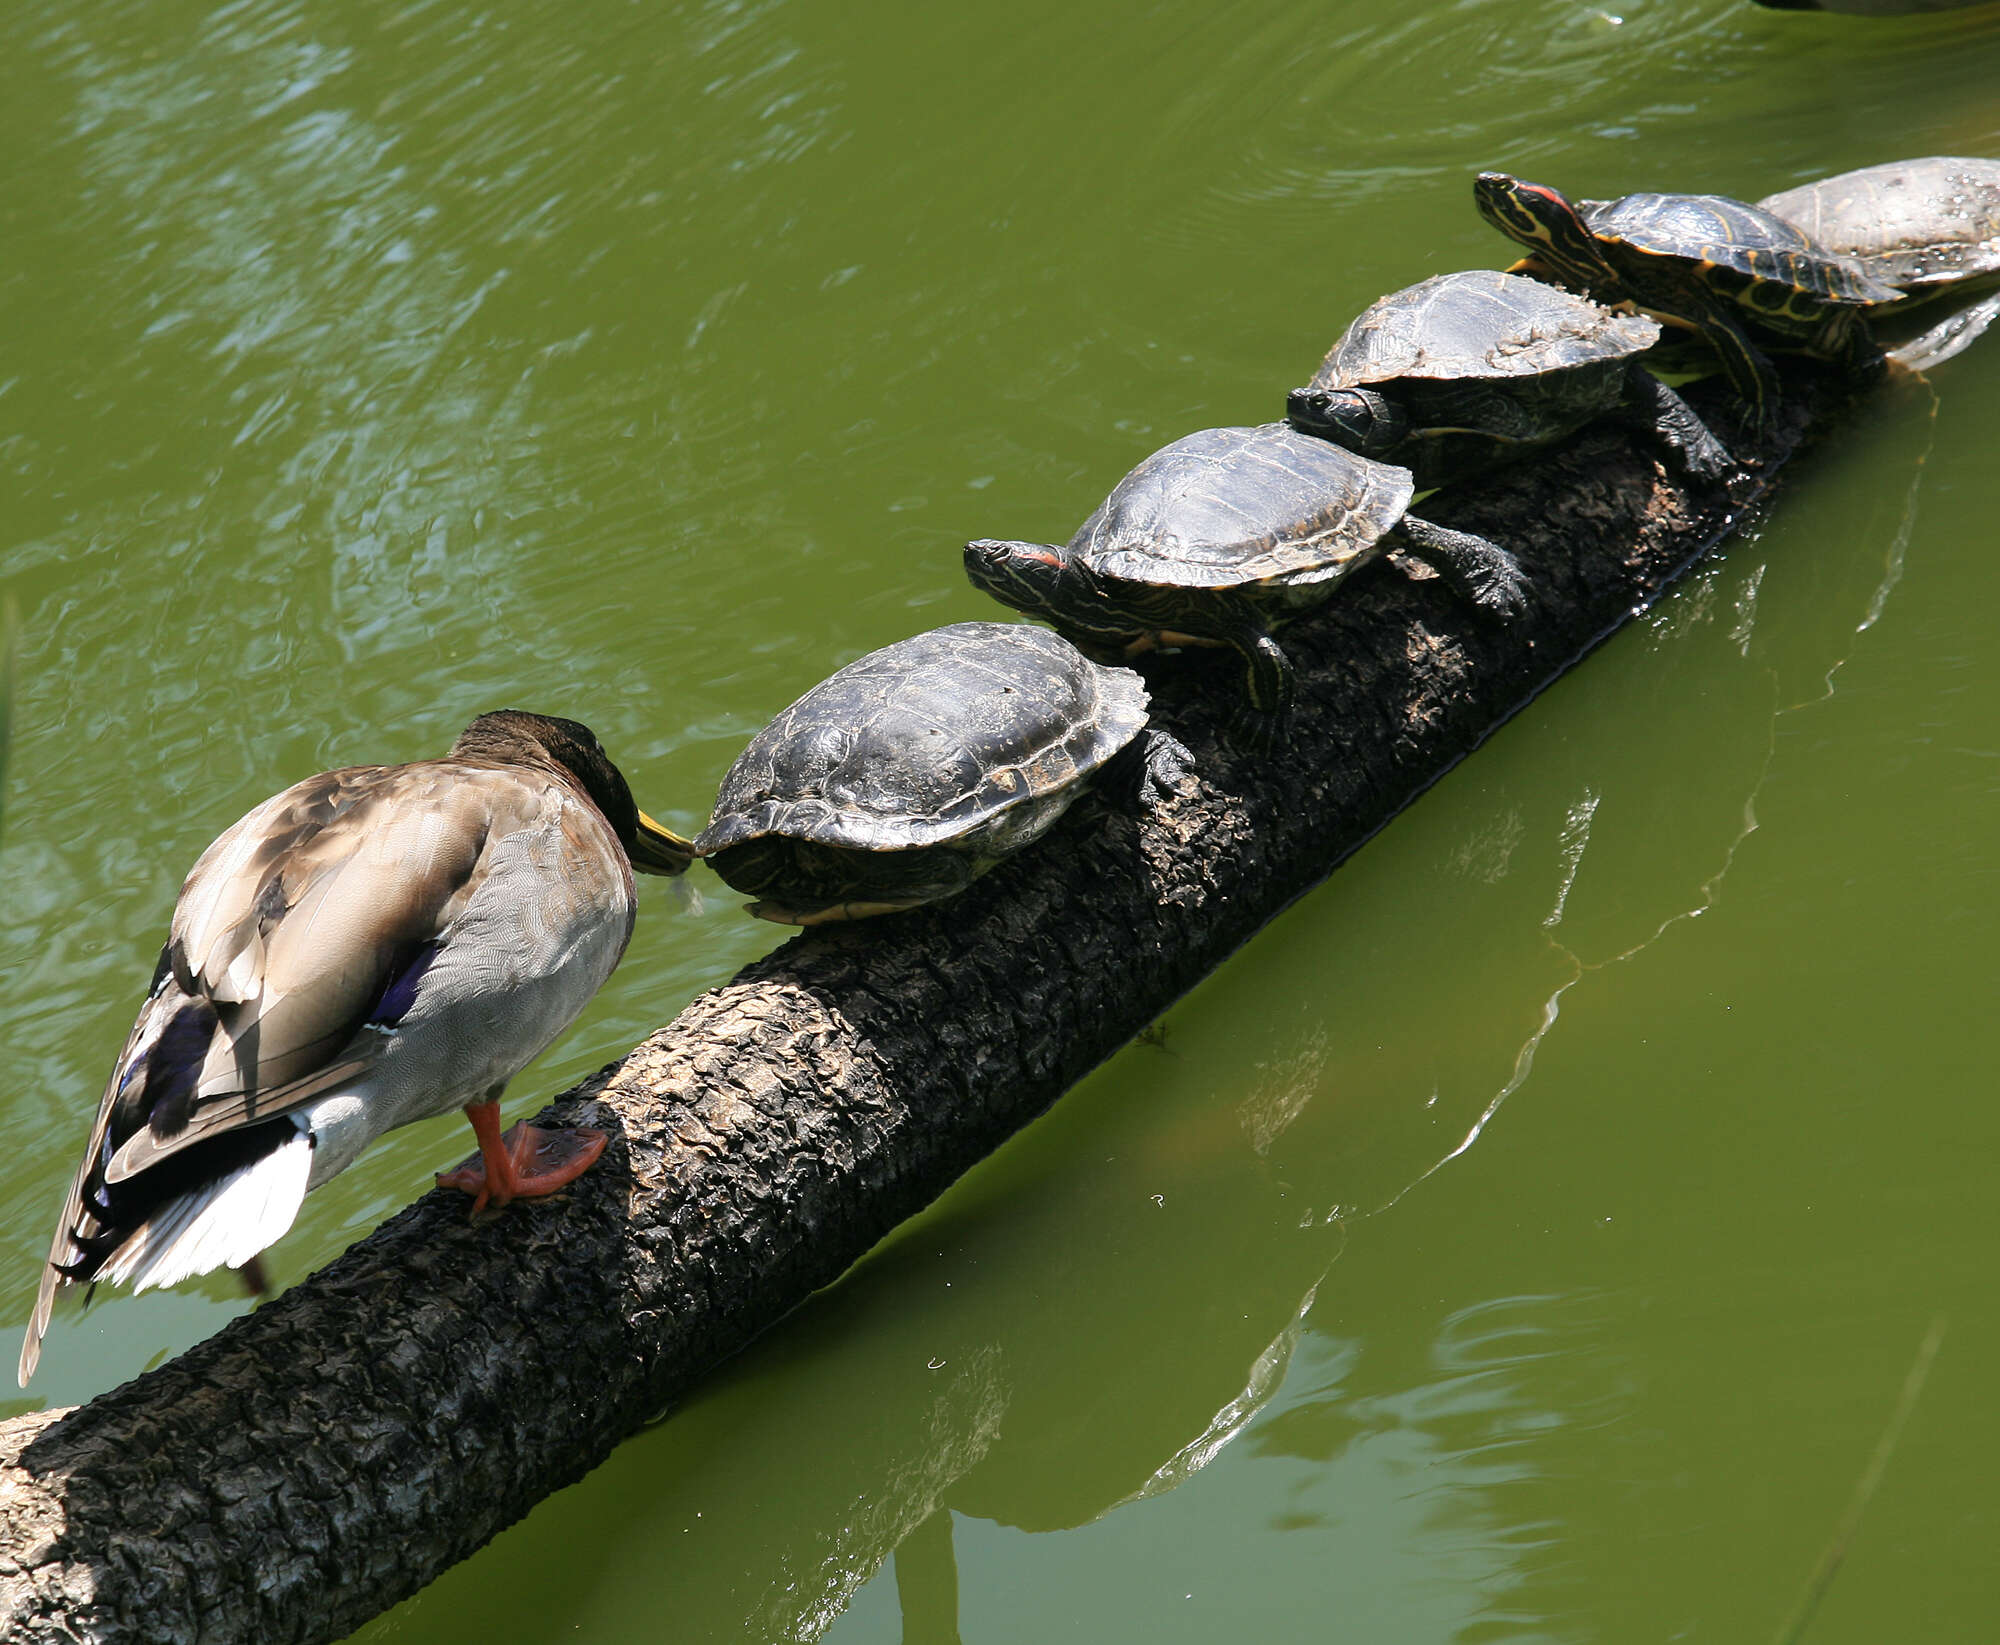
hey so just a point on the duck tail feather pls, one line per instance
(38, 1322)
(222, 1224)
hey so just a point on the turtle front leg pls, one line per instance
(1749, 370)
(1948, 337)
(1847, 339)
(1268, 679)
(1478, 571)
(1650, 407)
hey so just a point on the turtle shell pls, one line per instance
(927, 739)
(1916, 224)
(1479, 324)
(1234, 506)
(1725, 238)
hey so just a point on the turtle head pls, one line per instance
(1048, 581)
(1041, 579)
(1366, 423)
(1543, 220)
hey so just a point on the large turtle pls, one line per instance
(1921, 226)
(1925, 227)
(1701, 260)
(911, 771)
(1214, 539)
(1451, 376)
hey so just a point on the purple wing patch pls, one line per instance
(400, 993)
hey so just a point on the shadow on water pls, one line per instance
(1192, 1248)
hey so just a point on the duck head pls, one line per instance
(511, 736)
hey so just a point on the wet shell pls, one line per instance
(1735, 246)
(1233, 506)
(1915, 224)
(928, 739)
(1479, 324)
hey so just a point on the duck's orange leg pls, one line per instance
(526, 1163)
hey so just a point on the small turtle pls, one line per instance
(1450, 376)
(908, 773)
(1699, 260)
(1921, 226)
(1217, 537)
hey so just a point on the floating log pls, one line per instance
(324, 1457)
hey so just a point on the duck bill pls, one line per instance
(657, 850)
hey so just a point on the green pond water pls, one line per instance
(1524, 1239)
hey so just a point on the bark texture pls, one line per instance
(324, 1457)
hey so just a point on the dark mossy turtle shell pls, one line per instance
(1735, 237)
(1231, 506)
(1915, 224)
(928, 738)
(1479, 324)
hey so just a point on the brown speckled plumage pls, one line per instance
(373, 946)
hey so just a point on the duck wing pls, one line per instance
(300, 927)
(307, 924)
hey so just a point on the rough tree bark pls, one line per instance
(326, 1456)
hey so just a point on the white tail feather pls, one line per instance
(222, 1225)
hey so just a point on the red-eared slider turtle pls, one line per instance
(1214, 539)
(1921, 226)
(905, 775)
(1450, 376)
(1702, 260)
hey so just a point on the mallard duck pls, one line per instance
(373, 946)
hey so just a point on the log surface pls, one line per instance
(324, 1457)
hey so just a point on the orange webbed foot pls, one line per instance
(526, 1163)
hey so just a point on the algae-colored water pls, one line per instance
(1524, 1239)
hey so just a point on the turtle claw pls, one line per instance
(1480, 572)
(1713, 462)
(1164, 768)
(1653, 408)
(1500, 590)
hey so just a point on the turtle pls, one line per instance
(1215, 538)
(908, 773)
(1921, 226)
(1450, 376)
(1700, 260)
